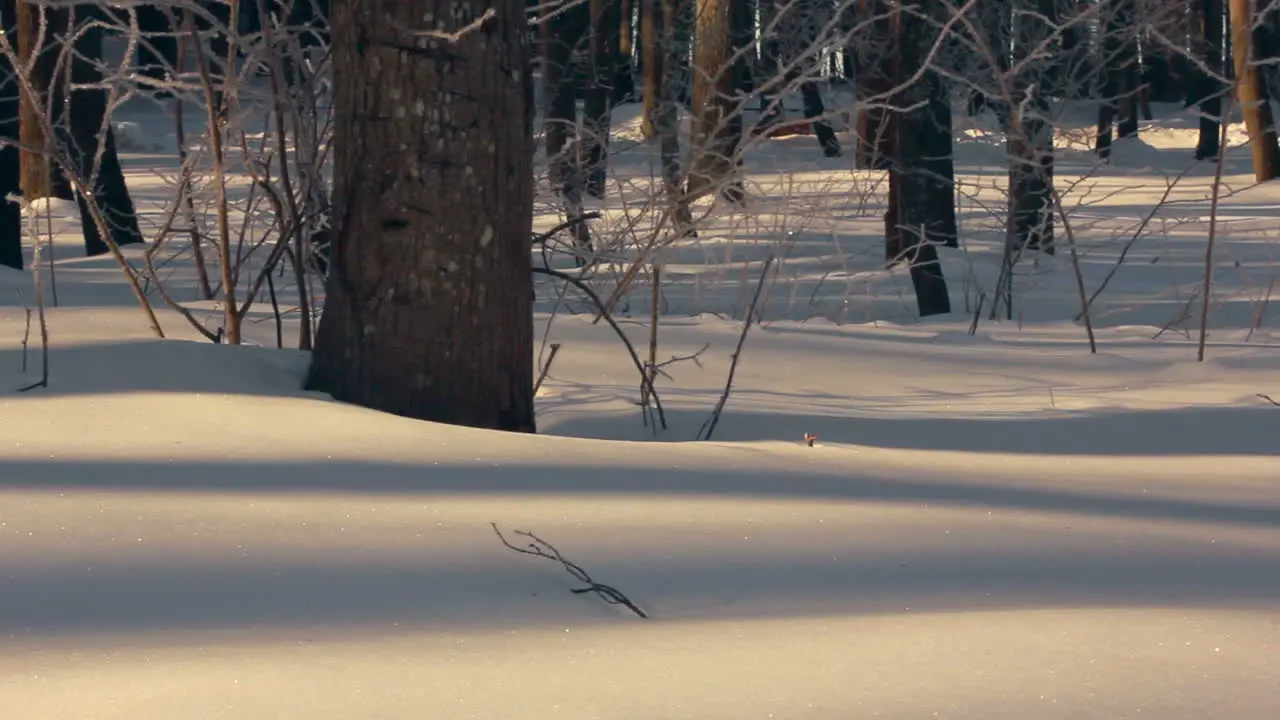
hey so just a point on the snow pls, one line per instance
(996, 525)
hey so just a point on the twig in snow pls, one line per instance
(631, 349)
(1268, 399)
(709, 426)
(546, 367)
(543, 549)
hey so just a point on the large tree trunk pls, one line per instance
(1207, 87)
(429, 293)
(717, 115)
(10, 173)
(1254, 102)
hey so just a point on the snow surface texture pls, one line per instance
(989, 526)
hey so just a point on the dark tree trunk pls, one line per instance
(814, 109)
(666, 116)
(1120, 70)
(874, 78)
(560, 34)
(922, 200)
(624, 83)
(10, 173)
(1254, 102)
(1030, 148)
(157, 44)
(429, 293)
(88, 126)
(768, 68)
(1208, 88)
(717, 114)
(598, 105)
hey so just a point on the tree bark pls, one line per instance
(430, 287)
(717, 114)
(1252, 94)
(651, 51)
(40, 178)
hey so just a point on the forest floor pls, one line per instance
(989, 524)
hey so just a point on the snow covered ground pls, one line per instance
(995, 525)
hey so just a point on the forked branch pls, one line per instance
(543, 549)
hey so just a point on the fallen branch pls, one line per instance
(543, 549)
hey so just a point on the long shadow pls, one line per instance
(1183, 431)
(490, 587)
(529, 479)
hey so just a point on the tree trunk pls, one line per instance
(667, 117)
(1208, 88)
(40, 178)
(10, 172)
(624, 84)
(1029, 143)
(768, 68)
(88, 126)
(598, 105)
(1252, 93)
(429, 293)
(717, 115)
(560, 34)
(874, 78)
(651, 52)
(922, 202)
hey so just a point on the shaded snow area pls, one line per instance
(989, 525)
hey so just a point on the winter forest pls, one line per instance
(639, 359)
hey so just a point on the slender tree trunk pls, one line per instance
(1252, 93)
(1030, 147)
(768, 68)
(717, 115)
(652, 52)
(667, 116)
(429, 293)
(1208, 88)
(10, 173)
(598, 106)
(624, 84)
